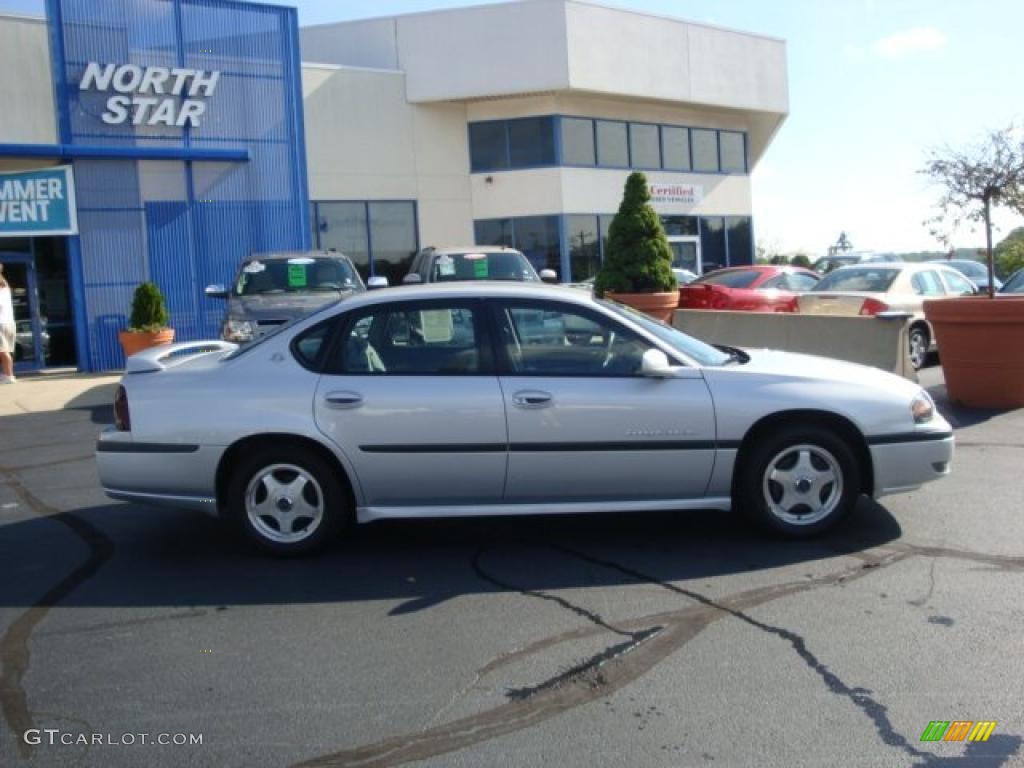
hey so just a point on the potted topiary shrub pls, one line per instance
(979, 337)
(637, 269)
(148, 324)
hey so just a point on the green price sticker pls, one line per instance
(480, 268)
(296, 275)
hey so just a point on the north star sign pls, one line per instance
(151, 95)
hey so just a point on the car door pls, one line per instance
(583, 424)
(410, 394)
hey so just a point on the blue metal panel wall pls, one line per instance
(181, 224)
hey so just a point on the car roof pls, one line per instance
(471, 289)
(282, 255)
(457, 249)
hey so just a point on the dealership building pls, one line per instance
(167, 140)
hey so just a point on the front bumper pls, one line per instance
(910, 463)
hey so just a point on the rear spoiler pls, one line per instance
(169, 355)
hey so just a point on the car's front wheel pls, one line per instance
(799, 481)
(288, 502)
(919, 343)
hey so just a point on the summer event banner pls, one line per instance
(39, 202)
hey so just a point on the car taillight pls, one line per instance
(873, 307)
(122, 419)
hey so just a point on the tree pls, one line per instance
(976, 179)
(801, 260)
(1009, 254)
(637, 258)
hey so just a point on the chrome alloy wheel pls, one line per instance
(918, 348)
(802, 484)
(284, 503)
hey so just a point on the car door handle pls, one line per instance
(340, 400)
(532, 398)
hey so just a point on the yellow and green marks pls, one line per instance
(958, 730)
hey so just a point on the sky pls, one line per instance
(874, 85)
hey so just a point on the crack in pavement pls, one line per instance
(15, 658)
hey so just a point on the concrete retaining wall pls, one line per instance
(881, 342)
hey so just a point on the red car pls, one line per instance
(761, 288)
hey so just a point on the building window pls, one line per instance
(733, 155)
(493, 232)
(675, 148)
(536, 236)
(712, 243)
(741, 241)
(584, 238)
(531, 142)
(578, 141)
(488, 146)
(705, 150)
(685, 226)
(644, 151)
(379, 237)
(612, 149)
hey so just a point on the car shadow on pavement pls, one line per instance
(143, 556)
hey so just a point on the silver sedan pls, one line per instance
(501, 399)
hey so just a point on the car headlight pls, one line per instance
(922, 408)
(238, 330)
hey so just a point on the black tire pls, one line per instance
(920, 341)
(806, 511)
(304, 482)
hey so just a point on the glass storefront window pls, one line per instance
(643, 146)
(583, 235)
(712, 243)
(741, 242)
(493, 232)
(612, 149)
(342, 226)
(393, 238)
(531, 142)
(537, 237)
(488, 146)
(705, 150)
(675, 148)
(680, 225)
(577, 141)
(604, 223)
(733, 154)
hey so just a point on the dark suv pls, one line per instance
(473, 262)
(272, 289)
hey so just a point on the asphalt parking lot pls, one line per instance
(619, 640)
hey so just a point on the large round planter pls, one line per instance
(981, 349)
(135, 341)
(660, 306)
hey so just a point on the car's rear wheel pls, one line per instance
(800, 481)
(919, 342)
(288, 502)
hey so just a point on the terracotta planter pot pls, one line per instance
(660, 306)
(980, 348)
(132, 341)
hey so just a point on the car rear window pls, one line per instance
(870, 279)
(742, 278)
(506, 265)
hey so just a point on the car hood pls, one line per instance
(281, 306)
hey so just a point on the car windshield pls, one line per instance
(1015, 284)
(503, 265)
(297, 275)
(741, 278)
(972, 269)
(868, 279)
(697, 350)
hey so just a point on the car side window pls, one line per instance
(798, 281)
(957, 283)
(416, 339)
(779, 281)
(541, 339)
(927, 283)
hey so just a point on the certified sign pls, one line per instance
(151, 95)
(688, 194)
(40, 202)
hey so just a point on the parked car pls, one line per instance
(684, 276)
(974, 270)
(758, 288)
(473, 262)
(871, 289)
(272, 289)
(1014, 283)
(827, 264)
(24, 342)
(438, 401)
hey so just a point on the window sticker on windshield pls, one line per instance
(480, 268)
(297, 276)
(445, 265)
(253, 267)
(437, 325)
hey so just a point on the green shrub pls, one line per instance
(638, 258)
(149, 310)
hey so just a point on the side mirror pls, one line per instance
(216, 291)
(377, 281)
(549, 276)
(413, 278)
(655, 363)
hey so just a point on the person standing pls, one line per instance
(7, 331)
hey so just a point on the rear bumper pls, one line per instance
(905, 463)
